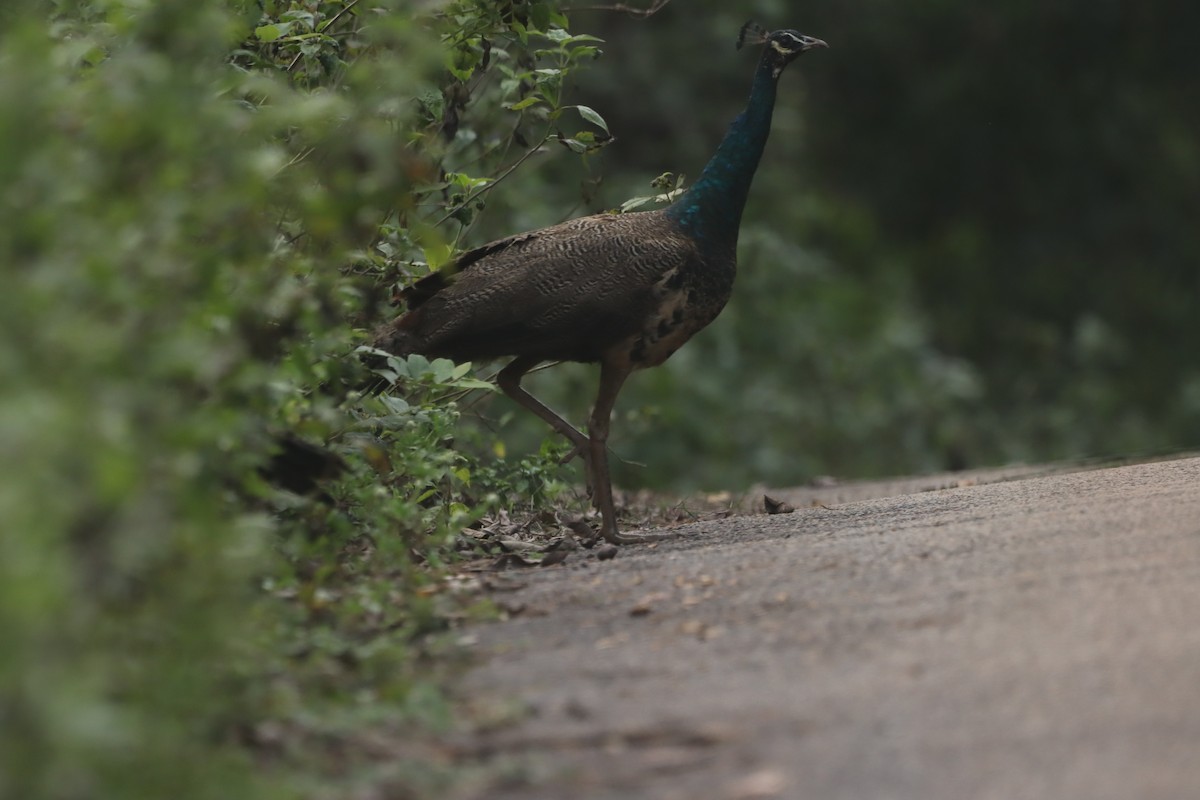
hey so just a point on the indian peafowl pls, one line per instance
(624, 290)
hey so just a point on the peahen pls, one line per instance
(624, 290)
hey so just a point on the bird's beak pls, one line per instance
(815, 43)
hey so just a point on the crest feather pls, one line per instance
(751, 33)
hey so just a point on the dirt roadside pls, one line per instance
(1033, 638)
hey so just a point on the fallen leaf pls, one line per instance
(519, 546)
(774, 506)
(587, 537)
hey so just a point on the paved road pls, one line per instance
(1035, 638)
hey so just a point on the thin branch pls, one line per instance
(337, 16)
(321, 30)
(296, 159)
(654, 8)
(485, 189)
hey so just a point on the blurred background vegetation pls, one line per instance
(973, 241)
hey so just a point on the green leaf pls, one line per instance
(301, 16)
(438, 255)
(417, 365)
(541, 14)
(667, 180)
(580, 53)
(397, 405)
(526, 103)
(387, 374)
(467, 181)
(443, 369)
(269, 33)
(591, 116)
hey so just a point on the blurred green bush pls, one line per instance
(202, 207)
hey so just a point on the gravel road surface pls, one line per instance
(1033, 638)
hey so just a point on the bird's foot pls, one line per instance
(588, 536)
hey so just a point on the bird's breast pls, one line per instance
(686, 300)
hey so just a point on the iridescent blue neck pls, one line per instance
(711, 210)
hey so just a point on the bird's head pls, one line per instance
(781, 47)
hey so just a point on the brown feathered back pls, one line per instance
(627, 284)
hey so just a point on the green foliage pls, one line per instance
(204, 204)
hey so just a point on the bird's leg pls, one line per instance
(509, 380)
(612, 378)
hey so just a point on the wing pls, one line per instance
(564, 292)
(430, 285)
